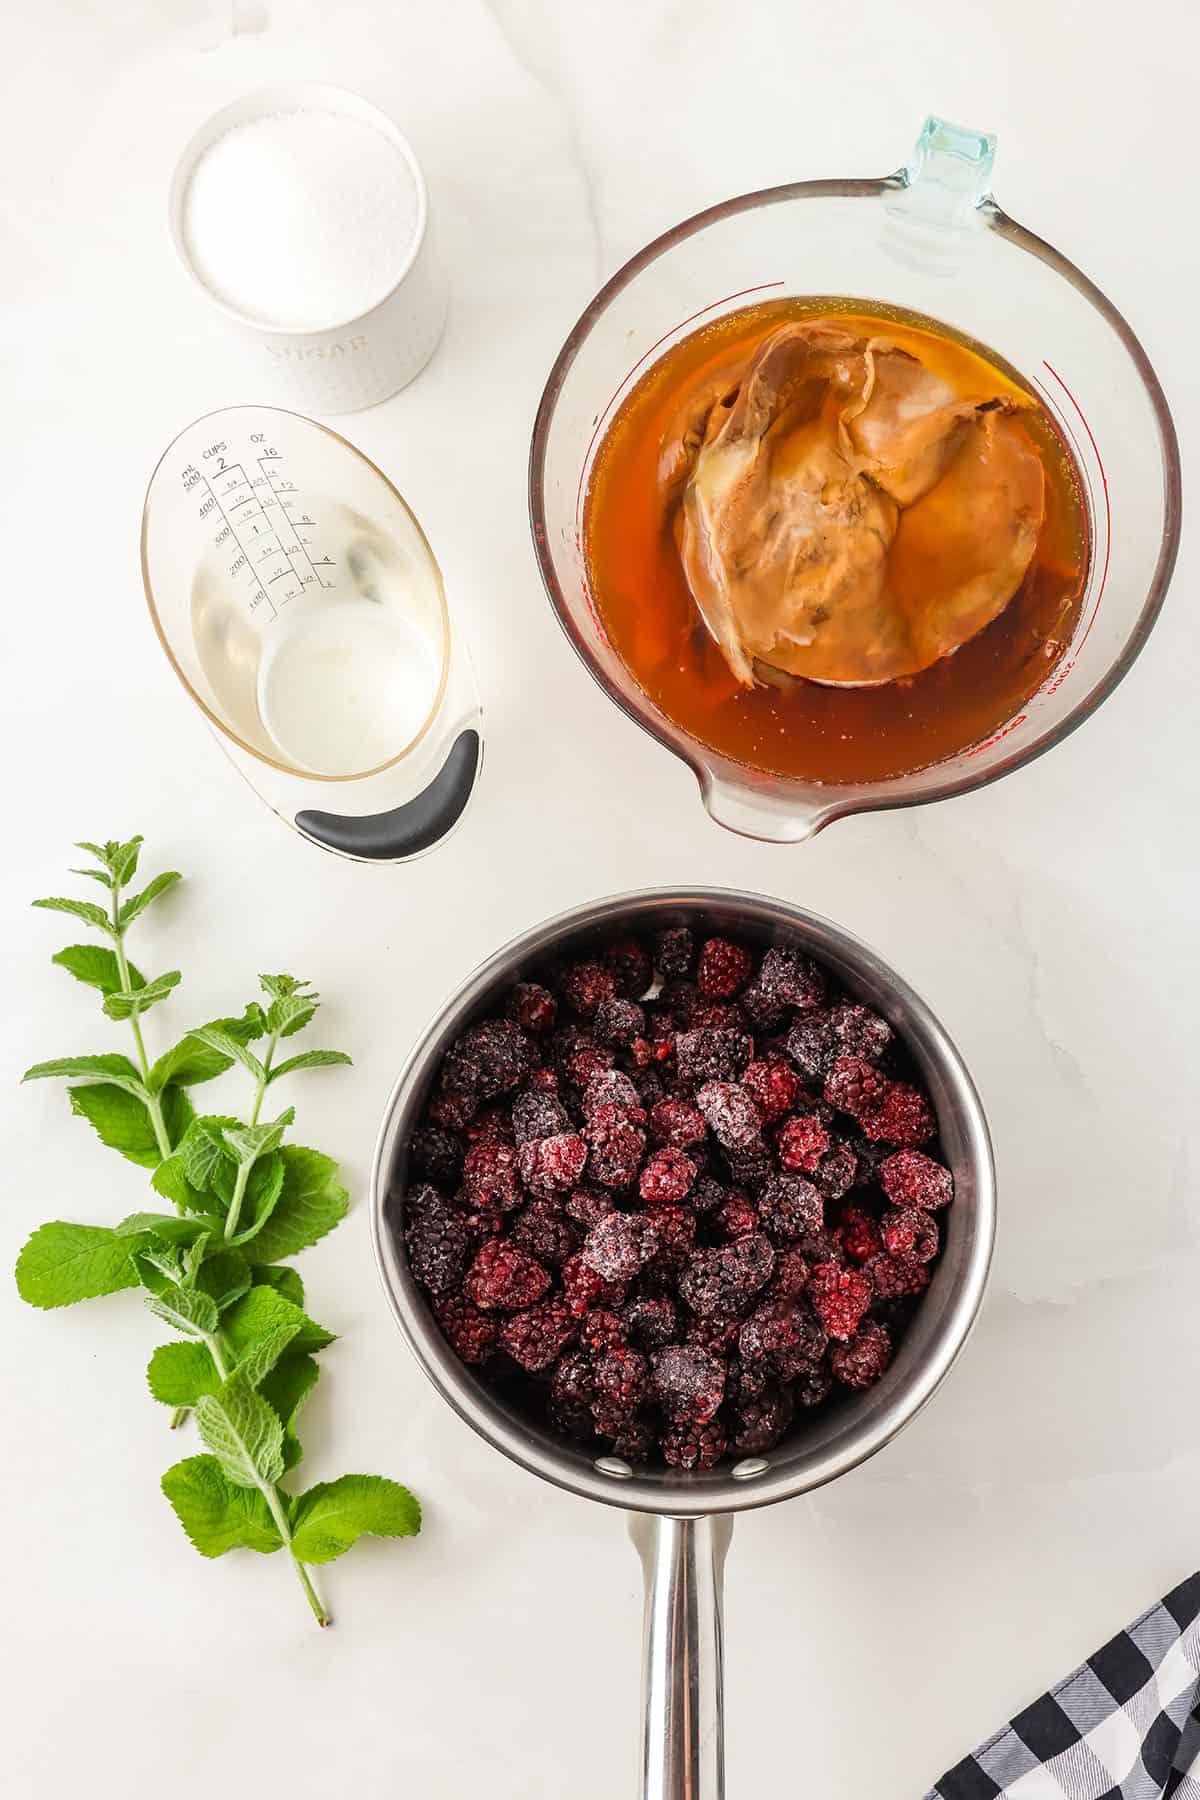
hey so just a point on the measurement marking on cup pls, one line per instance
(289, 487)
(232, 529)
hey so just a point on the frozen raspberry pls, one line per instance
(724, 968)
(436, 1236)
(802, 1142)
(707, 1195)
(600, 1329)
(765, 1012)
(585, 985)
(736, 1217)
(537, 1115)
(617, 1247)
(760, 1421)
(904, 1116)
(666, 1176)
(786, 1335)
(791, 1274)
(619, 1022)
(811, 1046)
(675, 1229)
(688, 1382)
(896, 1277)
(839, 1297)
(503, 1276)
(910, 1179)
(489, 1059)
(707, 1055)
(470, 1333)
(541, 1229)
(859, 1031)
(860, 1361)
(717, 1335)
(609, 1087)
(814, 1389)
(533, 1006)
(490, 1177)
(773, 1086)
(622, 1379)
(909, 1231)
(834, 1174)
(854, 1087)
(731, 1114)
(437, 1155)
(724, 1281)
(544, 1080)
(676, 1123)
(651, 1323)
(859, 1235)
(587, 1206)
(694, 1446)
(616, 1146)
(583, 1288)
(674, 951)
(536, 1338)
(552, 1165)
(628, 962)
(790, 1208)
(792, 978)
(577, 1056)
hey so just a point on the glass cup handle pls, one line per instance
(405, 830)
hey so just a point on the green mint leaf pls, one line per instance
(285, 1390)
(87, 910)
(291, 1013)
(117, 1069)
(95, 875)
(225, 1275)
(99, 851)
(332, 1516)
(249, 1142)
(243, 1433)
(261, 1311)
(215, 1037)
(279, 986)
(129, 1006)
(263, 1189)
(258, 1361)
(191, 1061)
(96, 966)
(311, 1202)
(203, 1148)
(177, 1374)
(311, 1059)
(217, 1515)
(193, 1256)
(123, 860)
(121, 1121)
(166, 1261)
(170, 1181)
(284, 1281)
(139, 902)
(164, 1226)
(185, 1310)
(63, 1263)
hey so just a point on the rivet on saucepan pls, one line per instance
(612, 1465)
(750, 1466)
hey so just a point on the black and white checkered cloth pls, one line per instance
(1126, 1726)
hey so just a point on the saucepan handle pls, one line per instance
(683, 1684)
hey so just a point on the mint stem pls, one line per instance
(153, 1103)
(274, 1500)
(243, 1175)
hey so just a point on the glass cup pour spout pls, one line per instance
(930, 239)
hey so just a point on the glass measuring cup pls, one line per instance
(302, 608)
(930, 239)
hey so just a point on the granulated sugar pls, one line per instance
(301, 219)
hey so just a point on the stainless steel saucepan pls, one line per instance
(681, 1521)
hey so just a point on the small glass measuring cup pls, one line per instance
(302, 608)
(930, 239)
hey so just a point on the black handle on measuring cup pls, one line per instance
(404, 830)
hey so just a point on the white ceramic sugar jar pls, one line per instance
(330, 271)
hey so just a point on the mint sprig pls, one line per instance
(214, 1269)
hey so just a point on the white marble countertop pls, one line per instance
(879, 1628)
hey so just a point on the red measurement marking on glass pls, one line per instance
(1107, 507)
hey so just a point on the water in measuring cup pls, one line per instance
(346, 674)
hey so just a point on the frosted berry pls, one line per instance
(904, 1116)
(790, 1207)
(615, 1147)
(470, 1333)
(801, 1143)
(552, 1165)
(773, 1085)
(537, 1114)
(724, 968)
(724, 1281)
(796, 980)
(860, 1361)
(536, 1338)
(490, 1178)
(617, 1247)
(688, 1382)
(666, 1176)
(533, 1006)
(676, 1123)
(839, 1297)
(909, 1231)
(910, 1179)
(437, 1241)
(503, 1276)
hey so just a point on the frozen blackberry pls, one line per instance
(773, 1086)
(835, 1174)
(585, 985)
(724, 1281)
(491, 1125)
(610, 1087)
(688, 1382)
(666, 1176)
(860, 1361)
(897, 1277)
(839, 1297)
(786, 1335)
(910, 1179)
(601, 1329)
(532, 1006)
(760, 1421)
(542, 1230)
(813, 1390)
(796, 980)
(490, 1182)
(437, 1155)
(678, 1002)
(736, 1217)
(437, 1241)
(724, 968)
(855, 1087)
(452, 1109)
(791, 1274)
(716, 1015)
(676, 1123)
(708, 1055)
(765, 1012)
(470, 1333)
(801, 1143)
(652, 1322)
(631, 1438)
(694, 1446)
(790, 1208)
(583, 1288)
(587, 1206)
(812, 1046)
(859, 1235)
(674, 951)
(858, 1031)
(731, 1115)
(622, 1380)
(909, 1231)
(707, 1195)
(488, 1060)
(616, 1147)
(904, 1116)
(619, 1021)
(628, 961)
(536, 1338)
(505, 1277)
(617, 1247)
(552, 1165)
(544, 1080)
(572, 1386)
(718, 1335)
(675, 1229)
(536, 1115)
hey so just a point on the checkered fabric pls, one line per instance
(1126, 1726)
